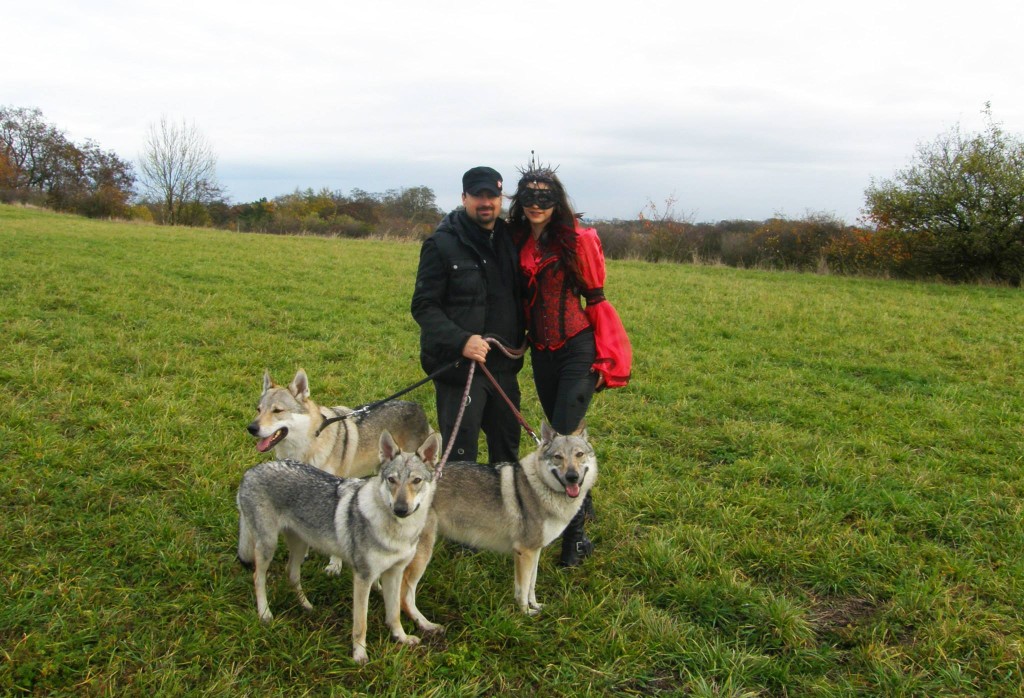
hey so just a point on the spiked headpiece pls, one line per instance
(536, 172)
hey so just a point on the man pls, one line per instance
(467, 288)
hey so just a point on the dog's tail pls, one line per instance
(246, 544)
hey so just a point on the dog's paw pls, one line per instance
(334, 568)
(410, 640)
(266, 616)
(533, 608)
(428, 628)
(359, 656)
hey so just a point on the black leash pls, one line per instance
(363, 409)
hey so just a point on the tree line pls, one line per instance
(408, 212)
(955, 213)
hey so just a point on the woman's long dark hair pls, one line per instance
(560, 232)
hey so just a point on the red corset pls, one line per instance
(553, 311)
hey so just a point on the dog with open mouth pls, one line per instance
(512, 508)
(287, 421)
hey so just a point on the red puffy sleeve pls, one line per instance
(614, 352)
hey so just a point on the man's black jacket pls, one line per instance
(467, 283)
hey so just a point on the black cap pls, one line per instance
(481, 178)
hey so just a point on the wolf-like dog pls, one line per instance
(373, 524)
(511, 508)
(287, 420)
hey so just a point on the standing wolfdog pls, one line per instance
(511, 508)
(372, 524)
(287, 420)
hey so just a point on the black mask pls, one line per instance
(541, 198)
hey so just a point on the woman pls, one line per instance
(575, 349)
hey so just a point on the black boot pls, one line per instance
(575, 544)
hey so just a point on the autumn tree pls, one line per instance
(39, 163)
(31, 150)
(106, 183)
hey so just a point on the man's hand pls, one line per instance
(476, 349)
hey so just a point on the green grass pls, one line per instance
(812, 487)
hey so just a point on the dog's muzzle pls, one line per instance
(265, 444)
(571, 481)
(402, 510)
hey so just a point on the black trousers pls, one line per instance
(565, 383)
(486, 411)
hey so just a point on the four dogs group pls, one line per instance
(321, 492)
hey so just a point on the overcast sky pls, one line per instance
(733, 109)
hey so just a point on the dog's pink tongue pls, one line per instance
(572, 490)
(264, 445)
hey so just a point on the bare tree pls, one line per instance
(179, 170)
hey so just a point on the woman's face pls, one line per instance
(538, 204)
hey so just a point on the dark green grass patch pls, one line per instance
(813, 485)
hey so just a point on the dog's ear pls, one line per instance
(300, 385)
(388, 448)
(581, 430)
(547, 434)
(430, 450)
(268, 382)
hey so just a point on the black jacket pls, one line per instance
(467, 283)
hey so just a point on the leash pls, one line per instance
(517, 413)
(439, 470)
(363, 409)
(510, 353)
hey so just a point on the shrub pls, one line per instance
(796, 244)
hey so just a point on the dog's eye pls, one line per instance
(392, 480)
(417, 480)
(580, 454)
(277, 410)
(558, 456)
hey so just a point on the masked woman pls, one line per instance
(577, 342)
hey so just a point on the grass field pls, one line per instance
(812, 487)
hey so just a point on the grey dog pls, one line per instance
(373, 524)
(511, 508)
